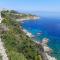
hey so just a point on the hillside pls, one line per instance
(18, 45)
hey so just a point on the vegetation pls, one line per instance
(16, 15)
(18, 45)
(0, 57)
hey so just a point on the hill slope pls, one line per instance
(18, 45)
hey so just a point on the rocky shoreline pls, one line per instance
(47, 50)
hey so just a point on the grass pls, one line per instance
(16, 56)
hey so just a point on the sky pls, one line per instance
(31, 5)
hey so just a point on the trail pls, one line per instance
(3, 51)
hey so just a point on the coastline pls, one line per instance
(44, 45)
(28, 18)
(44, 42)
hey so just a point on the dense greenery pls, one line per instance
(18, 45)
(14, 14)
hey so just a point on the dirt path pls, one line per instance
(3, 51)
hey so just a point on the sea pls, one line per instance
(46, 27)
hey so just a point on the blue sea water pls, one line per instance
(50, 28)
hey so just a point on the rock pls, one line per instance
(45, 40)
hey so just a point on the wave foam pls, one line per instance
(50, 58)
